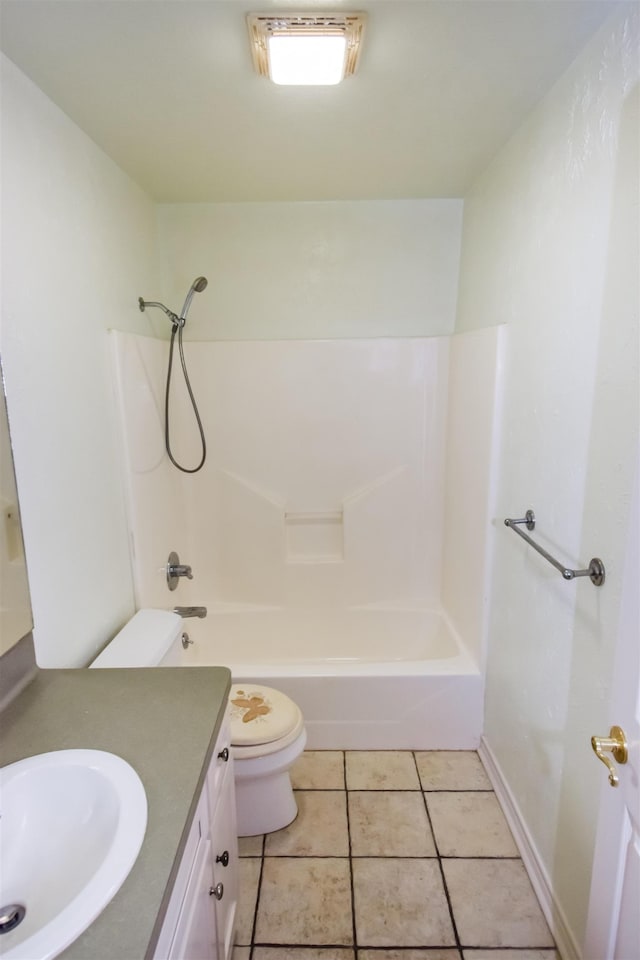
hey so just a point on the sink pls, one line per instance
(72, 824)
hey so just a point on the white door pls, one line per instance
(613, 928)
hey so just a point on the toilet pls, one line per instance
(267, 736)
(267, 727)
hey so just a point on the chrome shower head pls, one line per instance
(197, 286)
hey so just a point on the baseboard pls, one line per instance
(555, 917)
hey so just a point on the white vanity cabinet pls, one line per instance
(200, 920)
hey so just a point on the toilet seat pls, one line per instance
(263, 720)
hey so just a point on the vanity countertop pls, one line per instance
(164, 722)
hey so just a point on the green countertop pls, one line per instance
(164, 722)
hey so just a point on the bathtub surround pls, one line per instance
(474, 411)
(325, 484)
(550, 246)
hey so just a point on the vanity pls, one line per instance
(179, 900)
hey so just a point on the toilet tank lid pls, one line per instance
(143, 641)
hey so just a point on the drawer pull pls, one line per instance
(223, 858)
(224, 754)
(217, 891)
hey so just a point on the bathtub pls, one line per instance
(368, 678)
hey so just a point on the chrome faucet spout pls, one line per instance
(185, 612)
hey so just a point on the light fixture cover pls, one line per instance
(306, 48)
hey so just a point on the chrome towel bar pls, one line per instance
(595, 570)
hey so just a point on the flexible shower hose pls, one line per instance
(177, 327)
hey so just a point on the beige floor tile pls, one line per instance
(248, 879)
(389, 824)
(510, 955)
(452, 770)
(494, 904)
(305, 901)
(319, 770)
(381, 770)
(250, 846)
(319, 830)
(470, 825)
(302, 953)
(400, 903)
(437, 953)
(241, 953)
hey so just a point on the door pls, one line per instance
(613, 927)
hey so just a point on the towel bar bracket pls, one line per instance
(529, 520)
(595, 570)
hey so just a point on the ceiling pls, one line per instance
(167, 89)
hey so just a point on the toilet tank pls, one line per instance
(150, 639)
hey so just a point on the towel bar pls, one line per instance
(595, 570)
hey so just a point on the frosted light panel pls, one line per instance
(307, 60)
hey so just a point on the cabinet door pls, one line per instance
(195, 937)
(225, 861)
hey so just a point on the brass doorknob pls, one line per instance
(616, 744)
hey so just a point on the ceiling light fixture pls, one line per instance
(306, 49)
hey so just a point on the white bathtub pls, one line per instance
(364, 678)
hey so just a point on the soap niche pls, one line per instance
(314, 537)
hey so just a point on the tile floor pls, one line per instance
(394, 855)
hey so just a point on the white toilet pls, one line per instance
(267, 735)
(267, 728)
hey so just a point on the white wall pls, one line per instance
(15, 606)
(78, 246)
(550, 246)
(313, 270)
(473, 410)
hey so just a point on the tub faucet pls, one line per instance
(175, 570)
(191, 612)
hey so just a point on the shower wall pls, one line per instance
(324, 479)
(314, 270)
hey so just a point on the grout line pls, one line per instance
(353, 895)
(383, 856)
(259, 891)
(444, 882)
(388, 790)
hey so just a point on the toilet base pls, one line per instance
(264, 795)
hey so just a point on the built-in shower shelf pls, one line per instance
(314, 536)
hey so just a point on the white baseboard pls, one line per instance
(554, 915)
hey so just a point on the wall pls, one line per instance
(78, 248)
(313, 270)
(15, 607)
(473, 441)
(550, 246)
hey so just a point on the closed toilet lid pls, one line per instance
(260, 714)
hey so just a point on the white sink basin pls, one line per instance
(72, 823)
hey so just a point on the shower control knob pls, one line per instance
(217, 891)
(224, 754)
(223, 858)
(175, 570)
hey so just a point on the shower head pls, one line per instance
(197, 286)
